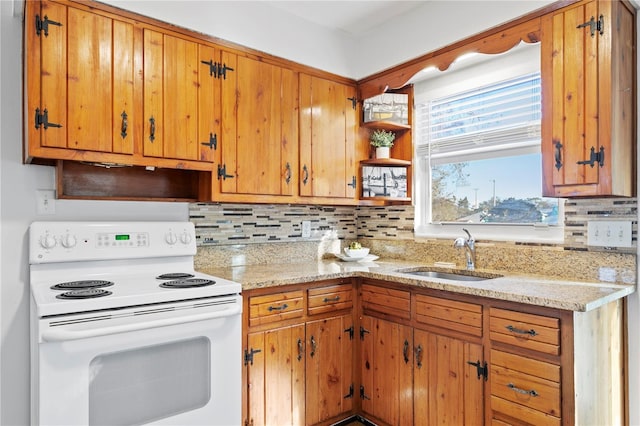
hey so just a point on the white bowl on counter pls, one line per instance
(356, 253)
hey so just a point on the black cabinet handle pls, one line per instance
(513, 329)
(152, 129)
(531, 392)
(287, 174)
(314, 346)
(125, 124)
(278, 308)
(305, 174)
(558, 151)
(331, 299)
(405, 351)
(300, 349)
(419, 353)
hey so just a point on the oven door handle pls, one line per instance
(62, 334)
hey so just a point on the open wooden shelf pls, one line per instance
(386, 125)
(385, 162)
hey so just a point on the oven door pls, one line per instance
(177, 364)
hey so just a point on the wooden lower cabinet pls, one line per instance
(387, 371)
(299, 355)
(447, 389)
(413, 376)
(402, 355)
(276, 376)
(329, 368)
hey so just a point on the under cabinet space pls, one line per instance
(449, 314)
(275, 307)
(529, 331)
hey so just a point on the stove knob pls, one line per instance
(69, 241)
(48, 241)
(185, 238)
(171, 238)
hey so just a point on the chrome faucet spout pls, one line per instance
(469, 249)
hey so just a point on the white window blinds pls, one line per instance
(504, 116)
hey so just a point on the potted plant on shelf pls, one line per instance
(382, 140)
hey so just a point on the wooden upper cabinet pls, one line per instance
(328, 123)
(80, 84)
(259, 144)
(179, 98)
(588, 131)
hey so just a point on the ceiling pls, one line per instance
(353, 17)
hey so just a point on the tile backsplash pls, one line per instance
(240, 234)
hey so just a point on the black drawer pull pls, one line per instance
(278, 308)
(331, 299)
(531, 392)
(513, 329)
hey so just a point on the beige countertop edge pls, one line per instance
(533, 290)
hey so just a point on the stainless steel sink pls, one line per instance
(450, 275)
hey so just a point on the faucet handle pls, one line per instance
(469, 234)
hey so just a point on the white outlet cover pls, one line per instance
(609, 233)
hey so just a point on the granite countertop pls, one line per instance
(529, 289)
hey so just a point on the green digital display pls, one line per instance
(122, 237)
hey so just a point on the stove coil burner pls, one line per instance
(85, 293)
(84, 284)
(188, 283)
(174, 276)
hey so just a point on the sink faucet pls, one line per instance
(470, 249)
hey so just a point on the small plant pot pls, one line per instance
(382, 152)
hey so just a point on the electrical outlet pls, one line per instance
(306, 229)
(609, 233)
(45, 201)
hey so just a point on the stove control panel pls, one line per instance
(77, 241)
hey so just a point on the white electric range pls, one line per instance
(120, 318)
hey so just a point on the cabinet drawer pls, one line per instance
(525, 388)
(530, 331)
(330, 298)
(386, 300)
(450, 314)
(275, 307)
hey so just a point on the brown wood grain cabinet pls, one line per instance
(259, 141)
(416, 374)
(427, 357)
(181, 97)
(588, 124)
(79, 84)
(299, 356)
(328, 123)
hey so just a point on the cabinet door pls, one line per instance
(276, 377)
(259, 135)
(179, 98)
(447, 389)
(327, 138)
(329, 368)
(587, 130)
(387, 365)
(80, 75)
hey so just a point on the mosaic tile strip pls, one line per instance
(392, 222)
(226, 224)
(579, 212)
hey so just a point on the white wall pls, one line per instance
(434, 25)
(633, 312)
(18, 183)
(259, 28)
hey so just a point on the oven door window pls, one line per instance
(149, 383)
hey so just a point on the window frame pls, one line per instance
(505, 66)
